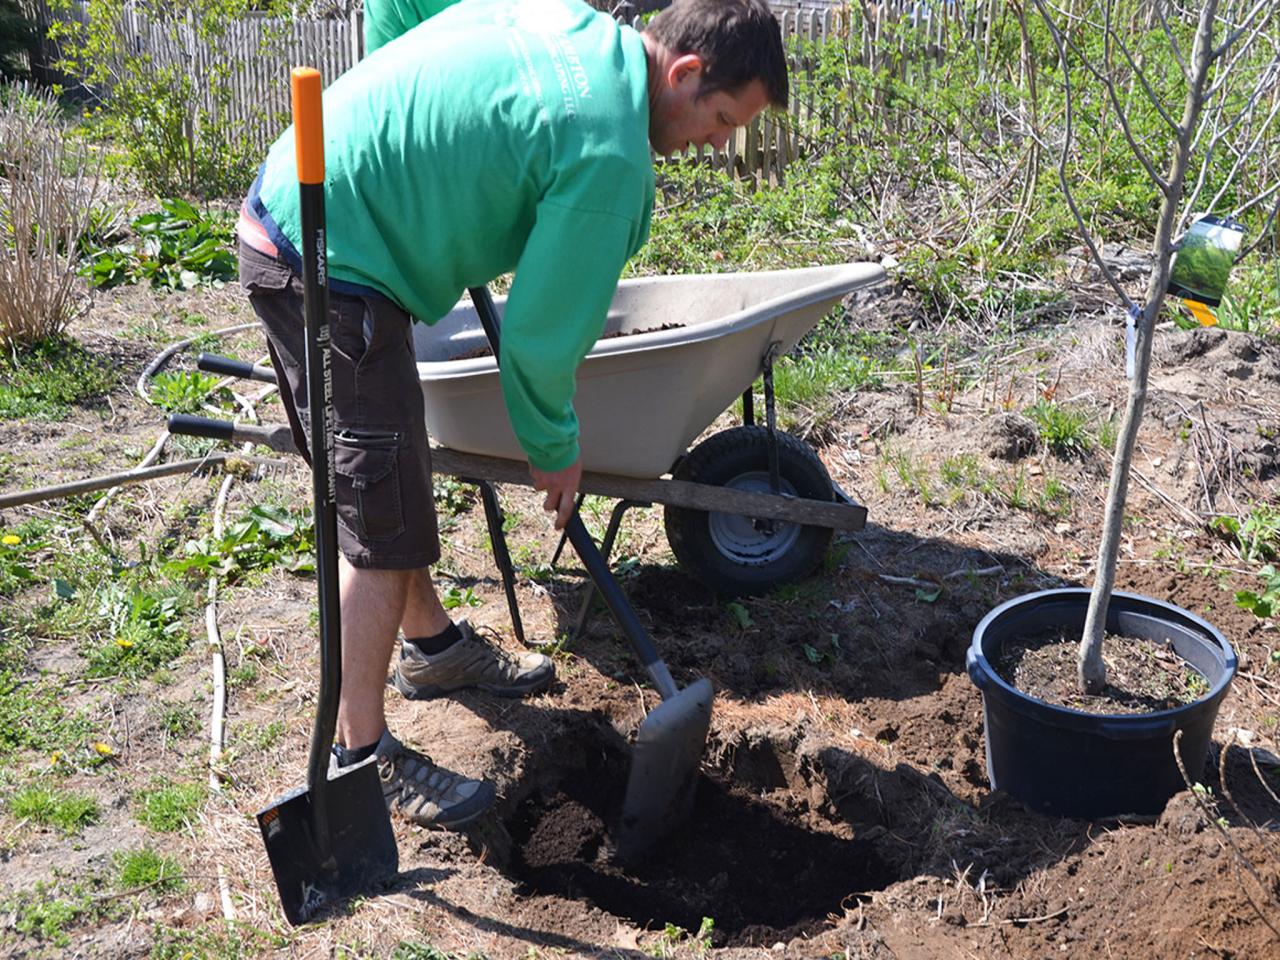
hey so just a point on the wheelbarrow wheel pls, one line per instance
(737, 555)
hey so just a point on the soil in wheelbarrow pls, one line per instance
(479, 352)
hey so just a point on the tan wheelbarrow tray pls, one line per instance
(747, 508)
(644, 397)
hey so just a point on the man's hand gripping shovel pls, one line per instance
(332, 838)
(670, 741)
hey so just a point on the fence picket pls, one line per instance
(251, 60)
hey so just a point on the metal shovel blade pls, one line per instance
(664, 769)
(357, 851)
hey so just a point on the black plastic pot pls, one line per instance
(1066, 762)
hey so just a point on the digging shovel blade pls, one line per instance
(356, 851)
(664, 769)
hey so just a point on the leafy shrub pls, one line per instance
(48, 188)
(184, 391)
(177, 247)
(167, 119)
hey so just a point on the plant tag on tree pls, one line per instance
(1131, 339)
(1204, 259)
(1204, 314)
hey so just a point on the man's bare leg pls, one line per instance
(373, 602)
(423, 614)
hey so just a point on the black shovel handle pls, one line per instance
(596, 566)
(309, 146)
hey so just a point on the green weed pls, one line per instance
(45, 917)
(1063, 431)
(452, 496)
(1054, 500)
(186, 391)
(453, 598)
(170, 806)
(1263, 603)
(144, 632)
(1252, 301)
(32, 716)
(63, 809)
(147, 869)
(1256, 536)
(267, 536)
(179, 720)
(42, 381)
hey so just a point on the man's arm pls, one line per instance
(564, 283)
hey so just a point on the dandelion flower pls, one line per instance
(123, 643)
(105, 749)
(10, 539)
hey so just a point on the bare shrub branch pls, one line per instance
(48, 186)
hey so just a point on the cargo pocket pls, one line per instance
(369, 484)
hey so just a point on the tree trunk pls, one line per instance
(1092, 672)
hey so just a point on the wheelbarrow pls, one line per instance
(744, 510)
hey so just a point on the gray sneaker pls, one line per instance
(421, 792)
(470, 662)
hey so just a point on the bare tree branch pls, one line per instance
(1235, 35)
(1146, 85)
(1173, 40)
(1266, 227)
(1062, 160)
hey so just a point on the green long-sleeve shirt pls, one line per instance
(498, 135)
(384, 20)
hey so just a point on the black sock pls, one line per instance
(349, 755)
(440, 642)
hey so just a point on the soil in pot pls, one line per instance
(1143, 676)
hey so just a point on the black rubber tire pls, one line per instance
(727, 552)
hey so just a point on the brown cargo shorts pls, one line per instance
(386, 515)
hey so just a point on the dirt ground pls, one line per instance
(843, 808)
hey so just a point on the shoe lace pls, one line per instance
(415, 774)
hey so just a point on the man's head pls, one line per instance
(713, 65)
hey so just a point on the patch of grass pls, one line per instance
(146, 868)
(1054, 499)
(913, 474)
(179, 720)
(266, 737)
(1064, 431)
(32, 717)
(45, 917)
(1252, 301)
(42, 381)
(169, 807)
(228, 942)
(63, 809)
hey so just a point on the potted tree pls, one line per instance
(1223, 67)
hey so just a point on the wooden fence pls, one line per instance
(242, 74)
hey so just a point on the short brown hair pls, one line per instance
(738, 41)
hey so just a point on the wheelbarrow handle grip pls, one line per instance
(276, 436)
(229, 367)
(588, 552)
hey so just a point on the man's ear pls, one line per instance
(686, 67)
